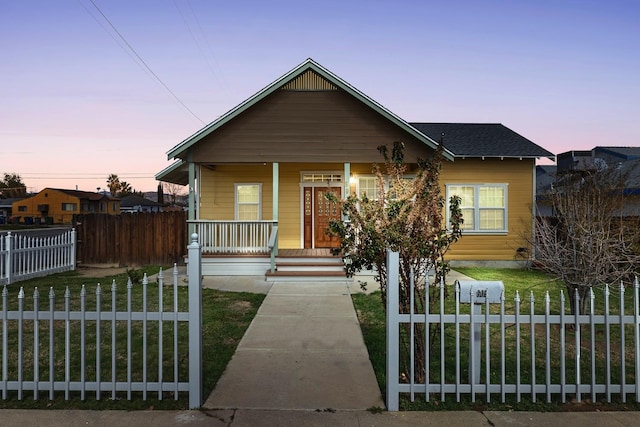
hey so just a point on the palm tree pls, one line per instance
(113, 182)
(125, 189)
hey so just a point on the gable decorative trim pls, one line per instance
(309, 81)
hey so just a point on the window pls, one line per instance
(248, 202)
(368, 185)
(322, 177)
(69, 206)
(22, 208)
(484, 206)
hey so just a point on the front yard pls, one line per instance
(371, 314)
(226, 316)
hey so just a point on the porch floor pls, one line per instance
(302, 253)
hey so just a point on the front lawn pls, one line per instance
(371, 314)
(225, 318)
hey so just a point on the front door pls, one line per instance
(318, 212)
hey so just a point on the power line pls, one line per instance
(145, 64)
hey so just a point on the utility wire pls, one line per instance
(145, 64)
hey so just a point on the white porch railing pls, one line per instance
(234, 237)
(23, 257)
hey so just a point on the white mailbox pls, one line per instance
(478, 292)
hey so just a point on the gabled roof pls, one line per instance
(482, 140)
(308, 65)
(135, 200)
(89, 195)
(7, 203)
(624, 153)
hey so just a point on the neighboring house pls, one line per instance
(135, 203)
(625, 159)
(6, 208)
(58, 206)
(269, 161)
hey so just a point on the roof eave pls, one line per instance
(476, 156)
(175, 173)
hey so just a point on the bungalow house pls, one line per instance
(258, 175)
(58, 206)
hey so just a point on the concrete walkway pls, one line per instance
(304, 350)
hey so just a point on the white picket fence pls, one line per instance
(599, 356)
(34, 330)
(23, 256)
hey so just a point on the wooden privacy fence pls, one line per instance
(23, 256)
(103, 345)
(532, 353)
(129, 239)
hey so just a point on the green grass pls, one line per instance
(226, 316)
(371, 314)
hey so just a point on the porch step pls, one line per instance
(307, 268)
(305, 276)
(310, 266)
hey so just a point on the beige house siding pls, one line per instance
(217, 199)
(294, 126)
(518, 175)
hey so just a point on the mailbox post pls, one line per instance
(478, 293)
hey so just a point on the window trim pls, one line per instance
(476, 206)
(236, 204)
(386, 182)
(66, 205)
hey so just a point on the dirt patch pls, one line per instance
(241, 306)
(103, 270)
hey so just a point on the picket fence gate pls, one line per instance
(592, 332)
(68, 379)
(24, 257)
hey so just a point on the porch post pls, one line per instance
(276, 197)
(276, 189)
(347, 184)
(192, 192)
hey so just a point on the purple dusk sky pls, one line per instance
(76, 104)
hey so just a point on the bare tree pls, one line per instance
(592, 236)
(174, 190)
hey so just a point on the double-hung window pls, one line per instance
(248, 205)
(484, 206)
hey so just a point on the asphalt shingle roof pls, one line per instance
(481, 140)
(624, 153)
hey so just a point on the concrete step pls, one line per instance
(309, 266)
(308, 259)
(306, 276)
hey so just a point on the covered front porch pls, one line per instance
(249, 248)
